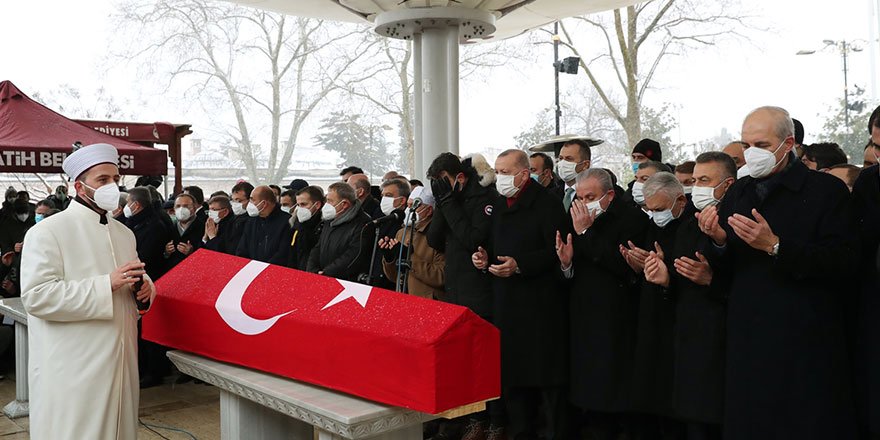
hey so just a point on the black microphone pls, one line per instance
(396, 215)
(415, 204)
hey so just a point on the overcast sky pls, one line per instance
(53, 42)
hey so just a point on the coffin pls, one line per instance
(380, 345)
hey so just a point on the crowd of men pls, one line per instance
(734, 296)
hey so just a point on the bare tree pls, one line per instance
(388, 82)
(636, 39)
(260, 68)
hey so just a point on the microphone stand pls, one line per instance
(404, 265)
(373, 258)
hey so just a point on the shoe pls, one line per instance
(182, 379)
(495, 433)
(475, 430)
(150, 381)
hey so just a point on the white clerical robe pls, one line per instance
(83, 336)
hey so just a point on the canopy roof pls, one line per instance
(35, 139)
(513, 17)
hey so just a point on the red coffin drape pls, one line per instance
(397, 349)
(34, 139)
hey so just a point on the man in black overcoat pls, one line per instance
(786, 234)
(530, 305)
(603, 303)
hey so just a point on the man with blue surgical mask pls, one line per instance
(786, 333)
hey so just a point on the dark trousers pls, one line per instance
(653, 427)
(596, 425)
(152, 359)
(702, 431)
(529, 408)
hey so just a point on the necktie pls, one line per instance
(566, 199)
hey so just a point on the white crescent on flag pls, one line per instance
(228, 304)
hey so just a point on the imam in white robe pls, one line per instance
(82, 336)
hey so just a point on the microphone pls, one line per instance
(415, 204)
(396, 215)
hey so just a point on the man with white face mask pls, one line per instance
(220, 227)
(531, 313)
(786, 342)
(78, 290)
(644, 172)
(686, 275)
(306, 219)
(574, 157)
(188, 232)
(343, 250)
(652, 378)
(427, 273)
(395, 193)
(603, 303)
(267, 233)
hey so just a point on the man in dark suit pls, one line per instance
(530, 307)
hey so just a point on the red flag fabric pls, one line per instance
(392, 348)
(35, 139)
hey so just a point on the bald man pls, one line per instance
(787, 363)
(267, 233)
(735, 151)
(361, 185)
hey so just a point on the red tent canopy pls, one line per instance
(34, 139)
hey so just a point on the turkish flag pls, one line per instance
(392, 348)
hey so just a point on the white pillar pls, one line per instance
(452, 60)
(419, 167)
(20, 406)
(435, 96)
(241, 419)
(436, 33)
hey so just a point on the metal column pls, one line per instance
(435, 96)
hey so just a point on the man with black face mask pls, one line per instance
(462, 221)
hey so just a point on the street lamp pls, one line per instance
(845, 48)
(568, 65)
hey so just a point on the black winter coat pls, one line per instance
(226, 241)
(343, 250)
(267, 239)
(193, 235)
(305, 237)
(700, 319)
(530, 307)
(653, 358)
(151, 236)
(604, 310)
(461, 224)
(866, 208)
(787, 370)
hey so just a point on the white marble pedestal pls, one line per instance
(261, 406)
(13, 308)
